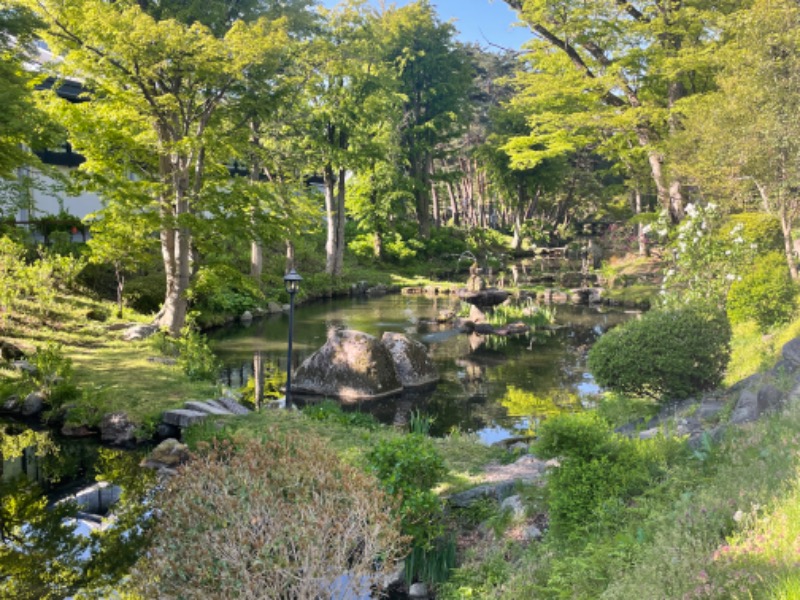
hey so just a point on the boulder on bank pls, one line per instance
(412, 363)
(117, 430)
(351, 365)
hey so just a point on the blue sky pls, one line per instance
(485, 22)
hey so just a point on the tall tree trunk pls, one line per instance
(175, 245)
(289, 255)
(419, 173)
(522, 199)
(453, 204)
(331, 214)
(788, 242)
(340, 221)
(640, 234)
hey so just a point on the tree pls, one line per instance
(19, 118)
(351, 96)
(156, 88)
(743, 140)
(435, 78)
(612, 68)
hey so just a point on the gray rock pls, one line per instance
(688, 426)
(206, 407)
(709, 410)
(24, 366)
(246, 317)
(168, 454)
(484, 329)
(378, 290)
(11, 404)
(182, 417)
(515, 505)
(32, 405)
(139, 332)
(352, 365)
(232, 405)
(286, 307)
(791, 352)
(476, 315)
(162, 360)
(259, 312)
(464, 325)
(520, 447)
(496, 491)
(770, 399)
(274, 307)
(483, 298)
(445, 316)
(649, 434)
(165, 430)
(746, 407)
(418, 591)
(116, 429)
(412, 362)
(532, 534)
(76, 431)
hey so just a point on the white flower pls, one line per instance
(691, 210)
(738, 240)
(727, 252)
(647, 228)
(730, 277)
(753, 246)
(662, 232)
(711, 206)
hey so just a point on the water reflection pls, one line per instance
(49, 549)
(476, 371)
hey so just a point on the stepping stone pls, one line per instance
(205, 407)
(183, 417)
(233, 406)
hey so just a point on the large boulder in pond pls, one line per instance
(351, 365)
(411, 360)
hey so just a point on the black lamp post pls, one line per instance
(292, 282)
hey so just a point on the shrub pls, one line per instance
(408, 467)
(195, 357)
(271, 519)
(579, 435)
(670, 353)
(222, 289)
(760, 229)
(766, 294)
(599, 471)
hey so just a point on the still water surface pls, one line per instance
(495, 387)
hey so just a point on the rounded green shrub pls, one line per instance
(666, 354)
(754, 228)
(579, 435)
(766, 294)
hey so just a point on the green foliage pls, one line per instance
(761, 229)
(274, 518)
(704, 262)
(419, 423)
(39, 554)
(668, 353)
(330, 410)
(223, 289)
(599, 472)
(145, 293)
(581, 435)
(529, 312)
(408, 467)
(53, 371)
(195, 357)
(765, 294)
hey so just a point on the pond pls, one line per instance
(495, 387)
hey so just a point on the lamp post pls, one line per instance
(292, 283)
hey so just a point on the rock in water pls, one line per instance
(411, 360)
(351, 365)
